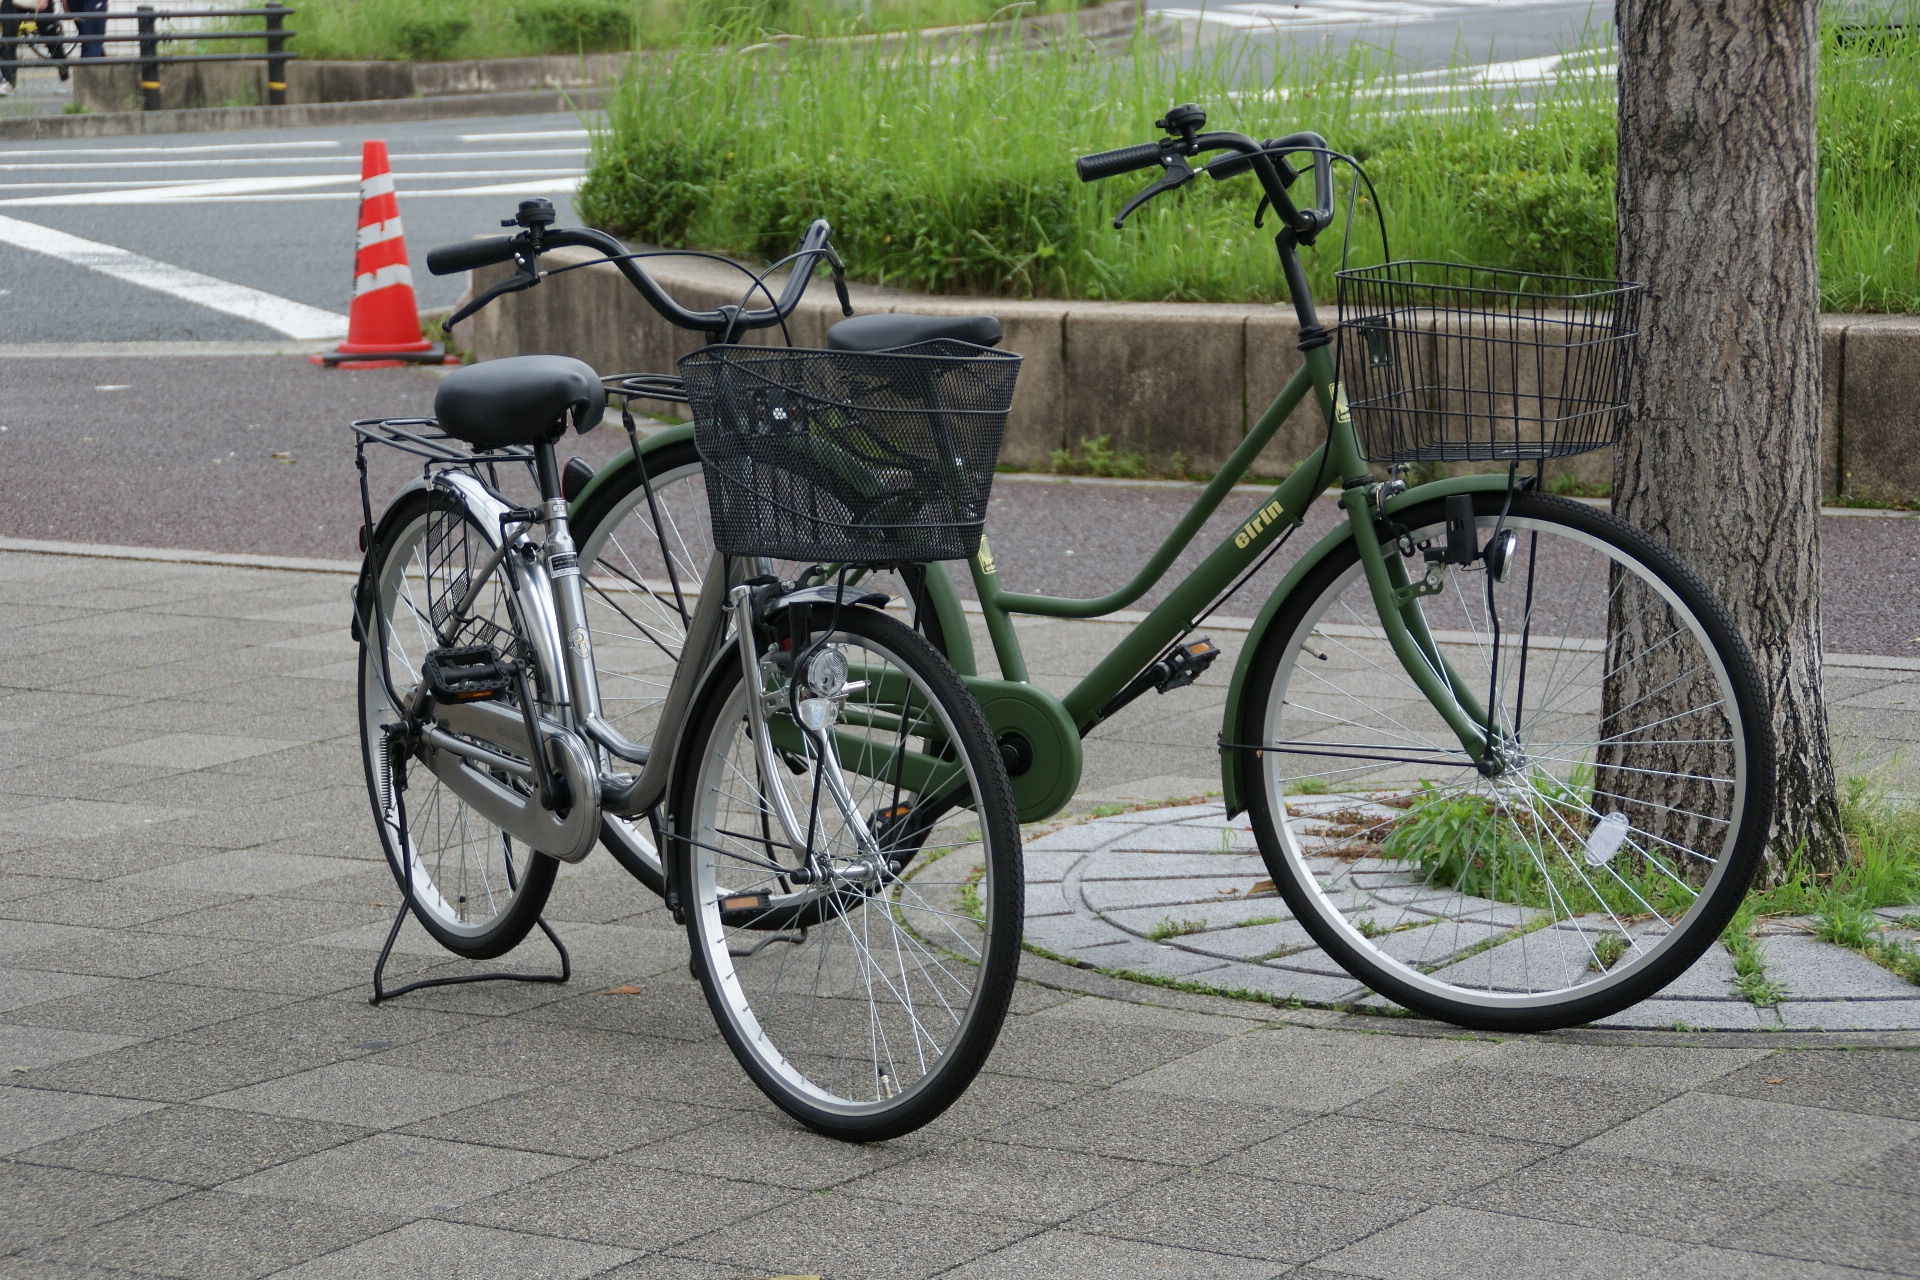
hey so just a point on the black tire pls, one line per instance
(634, 604)
(915, 949)
(475, 889)
(1496, 902)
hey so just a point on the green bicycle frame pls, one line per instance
(1338, 459)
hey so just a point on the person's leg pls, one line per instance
(9, 29)
(90, 26)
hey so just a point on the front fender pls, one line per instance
(1231, 719)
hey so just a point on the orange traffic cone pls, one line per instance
(383, 324)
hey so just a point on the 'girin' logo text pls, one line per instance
(1251, 529)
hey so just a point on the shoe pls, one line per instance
(6, 88)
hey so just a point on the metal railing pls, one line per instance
(148, 38)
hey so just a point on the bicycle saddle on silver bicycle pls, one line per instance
(519, 400)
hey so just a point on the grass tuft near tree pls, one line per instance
(955, 174)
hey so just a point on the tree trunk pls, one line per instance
(1721, 456)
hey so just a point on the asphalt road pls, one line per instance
(273, 210)
(1508, 40)
(252, 454)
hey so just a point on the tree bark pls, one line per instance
(1720, 458)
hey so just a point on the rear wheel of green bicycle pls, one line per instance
(862, 988)
(1620, 831)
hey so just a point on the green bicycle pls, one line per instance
(1505, 757)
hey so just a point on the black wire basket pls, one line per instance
(849, 457)
(1443, 362)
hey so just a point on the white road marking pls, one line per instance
(236, 162)
(283, 315)
(1313, 13)
(228, 190)
(151, 150)
(523, 137)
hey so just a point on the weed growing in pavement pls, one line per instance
(1607, 950)
(1171, 928)
(1882, 870)
(1098, 457)
(1256, 920)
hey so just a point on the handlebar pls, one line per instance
(1111, 164)
(448, 259)
(1267, 161)
(526, 248)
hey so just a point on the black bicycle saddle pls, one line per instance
(518, 400)
(883, 331)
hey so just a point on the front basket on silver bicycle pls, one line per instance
(850, 457)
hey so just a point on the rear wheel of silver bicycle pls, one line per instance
(476, 889)
(1625, 818)
(861, 987)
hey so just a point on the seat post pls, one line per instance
(546, 470)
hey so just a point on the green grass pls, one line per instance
(1458, 840)
(446, 30)
(1882, 870)
(1171, 928)
(955, 174)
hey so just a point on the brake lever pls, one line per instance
(839, 281)
(1178, 174)
(525, 278)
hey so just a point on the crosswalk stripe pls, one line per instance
(283, 315)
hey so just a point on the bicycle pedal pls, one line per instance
(1185, 664)
(473, 673)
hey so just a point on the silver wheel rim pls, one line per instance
(857, 1016)
(1496, 951)
(466, 871)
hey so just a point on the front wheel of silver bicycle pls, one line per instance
(1603, 848)
(861, 977)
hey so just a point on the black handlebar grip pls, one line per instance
(1107, 164)
(450, 258)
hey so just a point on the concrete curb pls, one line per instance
(124, 124)
(1128, 370)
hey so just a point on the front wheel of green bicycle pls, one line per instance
(860, 986)
(1618, 830)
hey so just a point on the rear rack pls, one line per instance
(667, 387)
(422, 438)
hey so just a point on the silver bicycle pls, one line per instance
(835, 824)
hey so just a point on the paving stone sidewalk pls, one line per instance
(195, 1087)
(1097, 889)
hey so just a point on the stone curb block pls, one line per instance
(1161, 378)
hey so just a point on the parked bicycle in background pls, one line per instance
(1504, 756)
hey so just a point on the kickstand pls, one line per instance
(380, 992)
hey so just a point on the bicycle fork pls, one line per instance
(814, 717)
